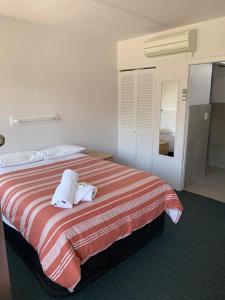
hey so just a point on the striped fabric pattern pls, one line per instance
(127, 199)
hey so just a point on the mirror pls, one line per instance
(168, 117)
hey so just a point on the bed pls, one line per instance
(66, 248)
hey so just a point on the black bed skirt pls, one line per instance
(95, 266)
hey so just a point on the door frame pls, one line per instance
(210, 60)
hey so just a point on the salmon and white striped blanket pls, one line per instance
(64, 239)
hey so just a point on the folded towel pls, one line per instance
(84, 192)
(65, 191)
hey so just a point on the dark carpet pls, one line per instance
(186, 262)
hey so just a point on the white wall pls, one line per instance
(45, 71)
(218, 85)
(210, 47)
(200, 84)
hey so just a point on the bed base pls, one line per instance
(95, 266)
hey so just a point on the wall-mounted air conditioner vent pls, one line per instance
(169, 44)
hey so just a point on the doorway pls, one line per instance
(205, 151)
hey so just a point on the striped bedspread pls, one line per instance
(127, 199)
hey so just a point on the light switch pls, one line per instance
(206, 116)
(184, 94)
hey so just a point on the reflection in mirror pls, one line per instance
(170, 92)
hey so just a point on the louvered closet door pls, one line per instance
(144, 119)
(135, 118)
(127, 118)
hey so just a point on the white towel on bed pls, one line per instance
(84, 192)
(65, 191)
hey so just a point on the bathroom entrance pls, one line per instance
(205, 147)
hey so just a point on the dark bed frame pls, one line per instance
(95, 266)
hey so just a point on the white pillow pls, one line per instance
(61, 150)
(20, 158)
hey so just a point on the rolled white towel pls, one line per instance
(65, 191)
(84, 192)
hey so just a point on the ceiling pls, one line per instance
(115, 19)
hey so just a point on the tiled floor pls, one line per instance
(212, 185)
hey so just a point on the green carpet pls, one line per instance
(186, 262)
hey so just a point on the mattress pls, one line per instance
(65, 239)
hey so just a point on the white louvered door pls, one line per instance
(127, 118)
(144, 119)
(136, 95)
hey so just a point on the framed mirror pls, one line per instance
(168, 117)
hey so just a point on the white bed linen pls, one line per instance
(39, 163)
(8, 223)
(31, 165)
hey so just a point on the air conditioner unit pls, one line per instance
(174, 43)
